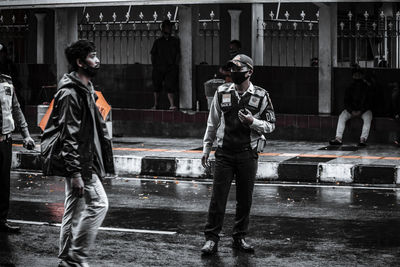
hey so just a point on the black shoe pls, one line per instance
(6, 228)
(335, 142)
(210, 247)
(362, 143)
(240, 244)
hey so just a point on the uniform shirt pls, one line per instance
(165, 52)
(10, 109)
(224, 124)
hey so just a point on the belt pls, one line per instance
(4, 137)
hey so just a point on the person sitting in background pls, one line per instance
(357, 103)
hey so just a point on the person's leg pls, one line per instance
(73, 207)
(5, 166)
(246, 169)
(91, 219)
(343, 118)
(171, 84)
(367, 118)
(223, 176)
(157, 77)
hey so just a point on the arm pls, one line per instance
(70, 114)
(347, 100)
(21, 123)
(266, 122)
(153, 52)
(213, 122)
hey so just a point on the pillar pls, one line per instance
(186, 26)
(257, 34)
(326, 55)
(40, 44)
(66, 32)
(235, 23)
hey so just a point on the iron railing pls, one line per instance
(369, 40)
(289, 42)
(129, 41)
(14, 29)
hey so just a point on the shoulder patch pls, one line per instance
(224, 88)
(260, 91)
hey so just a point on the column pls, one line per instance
(186, 21)
(66, 32)
(235, 23)
(257, 34)
(40, 44)
(326, 56)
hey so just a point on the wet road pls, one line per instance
(291, 225)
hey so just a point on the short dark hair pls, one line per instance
(79, 50)
(236, 43)
(166, 23)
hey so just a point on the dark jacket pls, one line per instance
(358, 96)
(68, 139)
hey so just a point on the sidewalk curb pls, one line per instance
(267, 170)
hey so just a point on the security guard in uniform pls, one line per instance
(239, 115)
(10, 113)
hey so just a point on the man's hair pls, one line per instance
(79, 50)
(166, 23)
(236, 43)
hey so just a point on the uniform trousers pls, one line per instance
(241, 166)
(5, 166)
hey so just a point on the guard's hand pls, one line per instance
(77, 186)
(397, 117)
(29, 143)
(245, 116)
(204, 161)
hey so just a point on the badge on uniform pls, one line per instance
(7, 90)
(226, 100)
(254, 101)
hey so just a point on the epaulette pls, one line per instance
(224, 88)
(260, 91)
(4, 76)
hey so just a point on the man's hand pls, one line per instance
(204, 161)
(77, 186)
(29, 143)
(356, 113)
(245, 116)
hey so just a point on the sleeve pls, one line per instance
(213, 122)
(178, 54)
(70, 117)
(18, 116)
(266, 121)
(153, 52)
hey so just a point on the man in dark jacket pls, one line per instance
(10, 115)
(76, 145)
(357, 103)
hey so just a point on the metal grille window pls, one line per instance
(290, 42)
(14, 29)
(128, 40)
(369, 40)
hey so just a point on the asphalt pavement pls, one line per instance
(159, 222)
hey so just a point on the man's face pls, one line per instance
(233, 50)
(92, 60)
(166, 31)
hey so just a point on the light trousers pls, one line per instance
(345, 116)
(82, 219)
